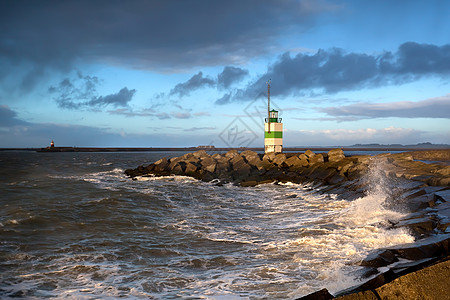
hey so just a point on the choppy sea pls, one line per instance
(73, 226)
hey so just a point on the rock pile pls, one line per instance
(249, 168)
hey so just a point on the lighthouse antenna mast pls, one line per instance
(268, 104)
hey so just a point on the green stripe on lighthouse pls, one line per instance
(273, 134)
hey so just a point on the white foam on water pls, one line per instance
(333, 256)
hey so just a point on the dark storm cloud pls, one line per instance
(334, 70)
(430, 108)
(163, 35)
(8, 117)
(120, 98)
(195, 82)
(230, 75)
(81, 92)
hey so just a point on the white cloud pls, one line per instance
(437, 107)
(332, 137)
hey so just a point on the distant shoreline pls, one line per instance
(173, 149)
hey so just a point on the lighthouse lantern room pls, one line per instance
(273, 129)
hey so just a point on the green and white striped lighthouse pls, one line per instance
(273, 129)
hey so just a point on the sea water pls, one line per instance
(72, 225)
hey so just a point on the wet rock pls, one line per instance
(421, 202)
(249, 183)
(443, 195)
(377, 281)
(434, 246)
(379, 259)
(412, 266)
(443, 215)
(418, 227)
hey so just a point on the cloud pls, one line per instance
(229, 76)
(181, 115)
(81, 92)
(334, 70)
(199, 128)
(195, 82)
(438, 107)
(163, 116)
(201, 114)
(121, 98)
(227, 98)
(129, 113)
(335, 137)
(150, 112)
(8, 117)
(152, 35)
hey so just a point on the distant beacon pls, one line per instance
(52, 144)
(273, 129)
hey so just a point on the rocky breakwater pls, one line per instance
(419, 189)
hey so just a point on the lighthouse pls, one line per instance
(273, 129)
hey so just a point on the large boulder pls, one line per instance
(178, 168)
(200, 154)
(248, 154)
(208, 163)
(239, 168)
(317, 158)
(295, 163)
(222, 169)
(269, 156)
(309, 153)
(191, 170)
(304, 160)
(335, 155)
(255, 161)
(232, 153)
(292, 161)
(279, 159)
(173, 162)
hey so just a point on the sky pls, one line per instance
(184, 73)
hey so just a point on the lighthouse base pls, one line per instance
(273, 148)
